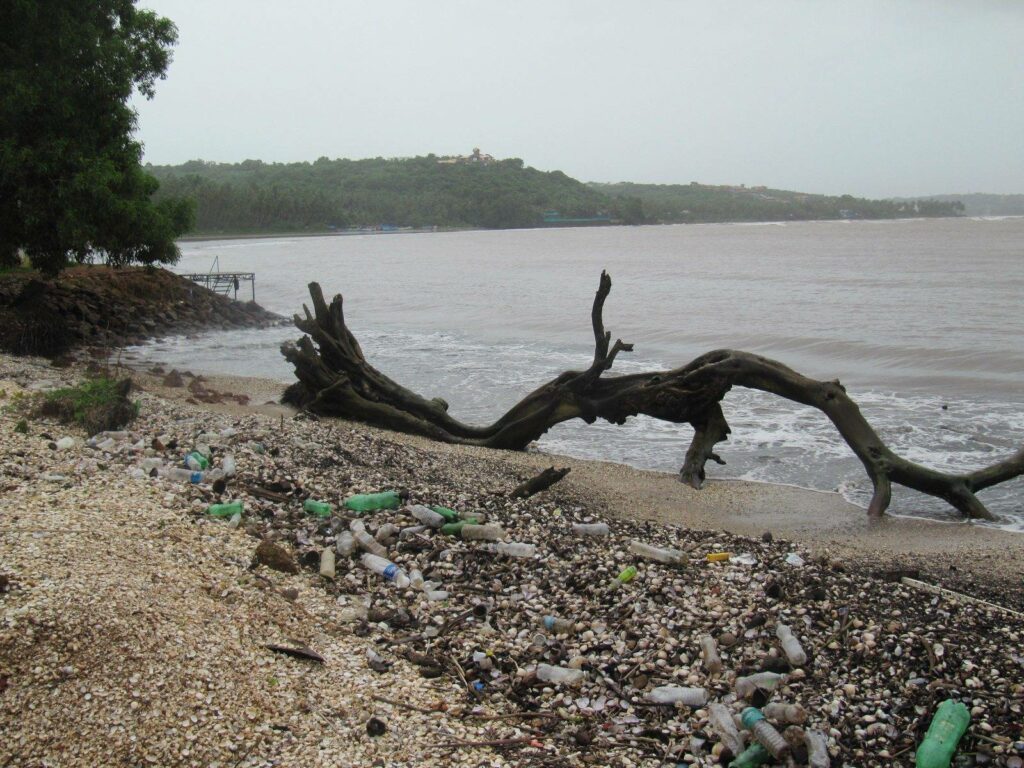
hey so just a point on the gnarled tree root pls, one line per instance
(334, 379)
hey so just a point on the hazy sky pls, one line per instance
(896, 97)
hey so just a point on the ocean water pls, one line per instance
(920, 319)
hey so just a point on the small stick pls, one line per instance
(488, 743)
(950, 594)
(403, 705)
(512, 715)
(462, 675)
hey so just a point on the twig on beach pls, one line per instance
(403, 705)
(518, 741)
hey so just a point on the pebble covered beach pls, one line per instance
(135, 628)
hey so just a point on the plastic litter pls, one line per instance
(560, 675)
(228, 465)
(370, 502)
(590, 529)
(765, 681)
(785, 713)
(385, 568)
(709, 651)
(427, 516)
(751, 757)
(558, 625)
(625, 576)
(450, 515)
(482, 532)
(817, 750)
(65, 442)
(318, 508)
(790, 645)
(794, 559)
(947, 728)
(514, 549)
(327, 563)
(676, 694)
(718, 557)
(722, 723)
(236, 520)
(658, 554)
(345, 544)
(745, 559)
(455, 529)
(196, 461)
(764, 732)
(224, 510)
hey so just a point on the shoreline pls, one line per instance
(963, 555)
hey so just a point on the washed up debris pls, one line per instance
(372, 502)
(944, 733)
(297, 651)
(538, 483)
(276, 557)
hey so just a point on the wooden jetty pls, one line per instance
(224, 282)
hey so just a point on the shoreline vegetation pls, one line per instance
(477, 192)
(138, 605)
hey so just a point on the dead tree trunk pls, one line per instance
(334, 379)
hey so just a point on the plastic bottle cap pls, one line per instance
(390, 572)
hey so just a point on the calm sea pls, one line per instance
(921, 320)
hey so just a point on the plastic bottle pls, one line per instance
(369, 502)
(65, 442)
(677, 694)
(482, 532)
(785, 713)
(236, 520)
(370, 544)
(345, 544)
(817, 750)
(557, 625)
(764, 732)
(427, 516)
(947, 727)
(751, 757)
(790, 646)
(719, 557)
(181, 475)
(416, 578)
(327, 563)
(625, 576)
(765, 681)
(387, 533)
(466, 514)
(151, 463)
(224, 510)
(560, 675)
(385, 568)
(455, 529)
(196, 461)
(590, 529)
(722, 723)
(435, 594)
(514, 549)
(450, 515)
(659, 555)
(228, 465)
(318, 508)
(412, 530)
(709, 650)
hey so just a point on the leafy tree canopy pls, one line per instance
(71, 182)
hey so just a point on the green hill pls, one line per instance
(474, 191)
(680, 203)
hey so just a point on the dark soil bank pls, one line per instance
(102, 306)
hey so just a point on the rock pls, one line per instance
(173, 379)
(276, 557)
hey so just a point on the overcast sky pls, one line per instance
(887, 98)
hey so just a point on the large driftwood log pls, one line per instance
(334, 379)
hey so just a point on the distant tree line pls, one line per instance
(681, 203)
(253, 196)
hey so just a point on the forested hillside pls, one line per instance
(980, 204)
(474, 191)
(413, 192)
(680, 203)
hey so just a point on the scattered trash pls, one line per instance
(791, 646)
(718, 557)
(675, 694)
(225, 510)
(817, 749)
(709, 651)
(722, 722)
(744, 559)
(751, 757)
(591, 529)
(764, 732)
(318, 508)
(625, 576)
(385, 568)
(657, 554)
(794, 559)
(371, 502)
(785, 713)
(947, 728)
(560, 675)
(299, 652)
(327, 564)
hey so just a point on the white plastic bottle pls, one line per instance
(791, 646)
(724, 725)
(677, 694)
(385, 568)
(514, 549)
(327, 563)
(560, 675)
(658, 554)
(180, 474)
(228, 465)
(817, 749)
(482, 532)
(766, 681)
(709, 650)
(792, 714)
(590, 529)
(426, 516)
(345, 544)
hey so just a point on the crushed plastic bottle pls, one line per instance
(435, 594)
(791, 714)
(224, 510)
(722, 723)
(947, 728)
(744, 559)
(817, 749)
(764, 732)
(766, 681)
(790, 645)
(677, 694)
(416, 578)
(318, 508)
(412, 530)
(370, 502)
(229, 466)
(196, 461)
(370, 544)
(385, 568)
(427, 516)
(658, 554)
(591, 529)
(709, 651)
(560, 675)
(514, 549)
(482, 532)
(557, 625)
(455, 529)
(345, 544)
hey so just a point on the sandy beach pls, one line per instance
(134, 626)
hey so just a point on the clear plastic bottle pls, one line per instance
(385, 568)
(590, 529)
(722, 723)
(482, 533)
(327, 563)
(790, 645)
(416, 578)
(181, 475)
(709, 651)
(764, 732)
(228, 465)
(345, 544)
(560, 675)
(412, 530)
(658, 554)
(791, 714)
(435, 594)
(514, 549)
(677, 694)
(236, 520)
(370, 544)
(427, 516)
(387, 533)
(557, 625)
(765, 681)
(196, 461)
(151, 463)
(817, 749)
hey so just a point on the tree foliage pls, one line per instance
(71, 182)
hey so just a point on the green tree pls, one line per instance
(71, 183)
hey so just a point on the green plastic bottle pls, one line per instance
(627, 575)
(196, 461)
(224, 510)
(318, 508)
(448, 514)
(751, 757)
(369, 502)
(947, 728)
(455, 529)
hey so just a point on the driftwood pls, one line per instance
(538, 483)
(335, 379)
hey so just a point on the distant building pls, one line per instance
(475, 158)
